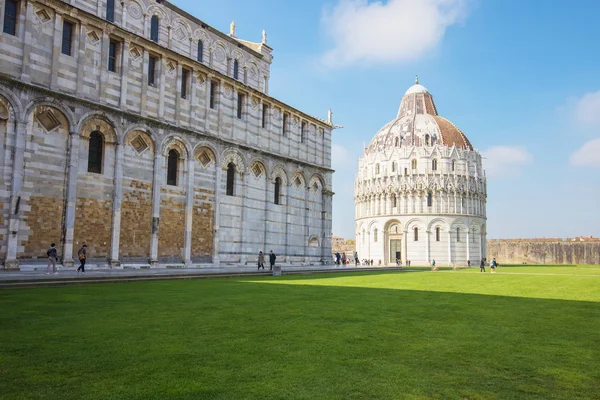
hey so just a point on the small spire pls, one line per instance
(416, 79)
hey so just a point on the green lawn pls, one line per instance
(526, 332)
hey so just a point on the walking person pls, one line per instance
(482, 265)
(272, 258)
(355, 259)
(82, 253)
(344, 258)
(261, 260)
(52, 256)
(433, 264)
(493, 266)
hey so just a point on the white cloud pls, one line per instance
(502, 161)
(587, 155)
(587, 109)
(383, 32)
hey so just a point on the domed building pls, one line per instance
(420, 191)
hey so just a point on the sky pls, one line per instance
(521, 78)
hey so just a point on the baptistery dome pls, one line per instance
(420, 191)
(418, 124)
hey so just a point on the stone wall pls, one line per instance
(543, 251)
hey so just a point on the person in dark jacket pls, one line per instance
(52, 256)
(482, 265)
(272, 258)
(82, 253)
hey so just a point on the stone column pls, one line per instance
(243, 255)
(123, 15)
(104, 65)
(178, 98)
(216, 215)
(306, 229)
(125, 75)
(27, 41)
(80, 59)
(15, 198)
(56, 49)
(144, 96)
(207, 86)
(115, 234)
(71, 202)
(189, 212)
(156, 189)
(405, 252)
(468, 243)
(145, 25)
(449, 246)
(193, 83)
(161, 88)
(427, 246)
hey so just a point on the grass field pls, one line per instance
(527, 332)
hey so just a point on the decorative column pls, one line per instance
(468, 243)
(15, 198)
(405, 252)
(56, 49)
(104, 65)
(207, 86)
(427, 246)
(125, 75)
(27, 41)
(81, 60)
(144, 96)
(156, 188)
(189, 212)
(178, 98)
(161, 89)
(306, 230)
(73, 164)
(244, 256)
(216, 215)
(115, 234)
(449, 246)
(123, 15)
(193, 83)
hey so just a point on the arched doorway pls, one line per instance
(393, 242)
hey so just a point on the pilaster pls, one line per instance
(56, 49)
(71, 203)
(27, 41)
(125, 75)
(189, 211)
(216, 215)
(81, 59)
(116, 212)
(156, 189)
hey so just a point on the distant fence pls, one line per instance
(544, 251)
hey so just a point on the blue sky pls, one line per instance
(521, 78)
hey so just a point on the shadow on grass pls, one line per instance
(234, 339)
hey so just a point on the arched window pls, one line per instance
(416, 231)
(453, 164)
(375, 236)
(236, 69)
(377, 168)
(434, 165)
(429, 199)
(230, 178)
(414, 164)
(397, 142)
(154, 28)
(200, 50)
(458, 234)
(437, 234)
(393, 167)
(172, 163)
(426, 140)
(277, 189)
(95, 153)
(394, 201)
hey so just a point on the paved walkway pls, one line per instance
(36, 276)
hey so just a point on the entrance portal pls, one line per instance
(395, 250)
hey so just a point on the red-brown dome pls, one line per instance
(418, 124)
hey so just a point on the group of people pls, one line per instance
(493, 265)
(52, 254)
(342, 259)
(261, 260)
